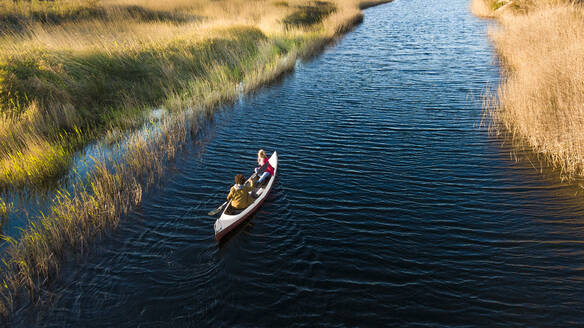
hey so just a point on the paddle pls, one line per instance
(218, 209)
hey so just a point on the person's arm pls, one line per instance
(230, 194)
(249, 185)
(262, 165)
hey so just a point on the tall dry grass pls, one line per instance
(541, 100)
(74, 65)
(76, 77)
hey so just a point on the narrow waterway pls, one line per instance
(393, 206)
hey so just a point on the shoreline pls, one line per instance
(538, 103)
(112, 190)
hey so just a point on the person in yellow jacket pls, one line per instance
(239, 195)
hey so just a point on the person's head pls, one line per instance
(239, 179)
(261, 154)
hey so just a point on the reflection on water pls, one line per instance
(393, 206)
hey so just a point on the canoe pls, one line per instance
(231, 218)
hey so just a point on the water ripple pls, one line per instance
(393, 206)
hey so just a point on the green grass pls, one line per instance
(124, 84)
(309, 15)
(49, 93)
(91, 82)
(40, 163)
(20, 18)
(281, 4)
(5, 209)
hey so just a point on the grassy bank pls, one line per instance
(541, 100)
(71, 72)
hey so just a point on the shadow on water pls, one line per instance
(246, 228)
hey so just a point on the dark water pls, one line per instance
(392, 208)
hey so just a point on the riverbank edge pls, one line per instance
(113, 189)
(56, 100)
(538, 103)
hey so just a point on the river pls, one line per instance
(393, 205)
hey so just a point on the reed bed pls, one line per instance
(90, 66)
(73, 71)
(541, 100)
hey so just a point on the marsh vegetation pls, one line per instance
(541, 100)
(72, 72)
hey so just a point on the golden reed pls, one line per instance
(540, 102)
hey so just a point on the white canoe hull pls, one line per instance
(226, 223)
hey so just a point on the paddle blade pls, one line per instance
(217, 210)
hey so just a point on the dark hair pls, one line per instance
(240, 179)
